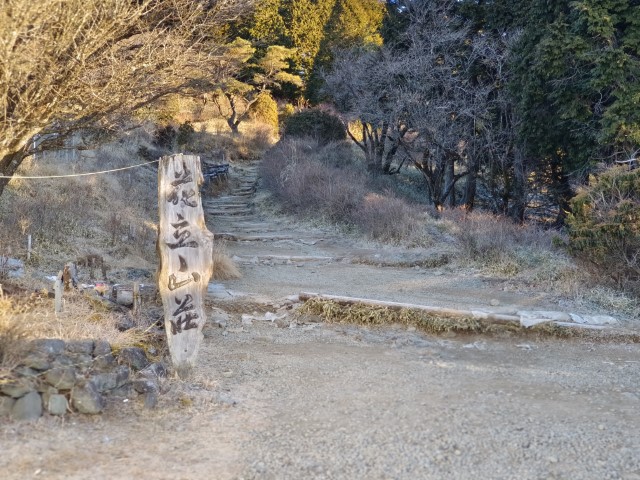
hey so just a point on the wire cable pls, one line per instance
(32, 177)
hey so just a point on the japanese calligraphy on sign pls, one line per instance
(185, 247)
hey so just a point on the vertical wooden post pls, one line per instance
(28, 248)
(57, 289)
(185, 247)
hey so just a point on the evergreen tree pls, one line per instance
(577, 78)
(355, 23)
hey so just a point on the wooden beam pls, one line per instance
(447, 312)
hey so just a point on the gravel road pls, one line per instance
(287, 400)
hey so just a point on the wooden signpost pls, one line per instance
(185, 247)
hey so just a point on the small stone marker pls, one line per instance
(185, 247)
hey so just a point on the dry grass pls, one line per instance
(30, 317)
(360, 314)
(223, 267)
(13, 337)
(328, 181)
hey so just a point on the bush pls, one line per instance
(265, 110)
(165, 137)
(321, 181)
(185, 134)
(604, 226)
(317, 124)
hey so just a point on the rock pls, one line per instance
(48, 346)
(86, 399)
(104, 362)
(282, 322)
(155, 370)
(62, 377)
(84, 347)
(37, 360)
(101, 348)
(145, 385)
(6, 405)
(494, 302)
(123, 373)
(134, 357)
(104, 381)
(56, 404)
(17, 388)
(151, 399)
(220, 318)
(26, 372)
(28, 407)
(125, 323)
(82, 360)
(125, 391)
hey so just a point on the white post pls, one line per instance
(28, 248)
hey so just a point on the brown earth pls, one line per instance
(293, 400)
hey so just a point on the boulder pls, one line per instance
(6, 405)
(123, 372)
(104, 381)
(84, 347)
(86, 399)
(101, 348)
(48, 346)
(154, 371)
(61, 377)
(28, 407)
(145, 385)
(37, 361)
(134, 357)
(56, 404)
(17, 388)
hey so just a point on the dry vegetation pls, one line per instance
(112, 216)
(331, 182)
(360, 314)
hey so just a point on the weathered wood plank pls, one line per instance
(185, 247)
(449, 312)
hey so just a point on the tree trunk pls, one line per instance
(8, 166)
(470, 191)
(519, 191)
(449, 189)
(563, 193)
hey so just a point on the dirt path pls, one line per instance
(316, 401)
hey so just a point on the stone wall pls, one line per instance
(58, 377)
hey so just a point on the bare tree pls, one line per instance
(70, 64)
(364, 85)
(437, 98)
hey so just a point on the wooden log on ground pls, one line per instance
(185, 248)
(446, 312)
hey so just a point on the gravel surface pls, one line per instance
(278, 400)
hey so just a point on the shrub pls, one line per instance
(316, 124)
(321, 181)
(265, 110)
(286, 111)
(165, 137)
(604, 226)
(185, 134)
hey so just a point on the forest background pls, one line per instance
(525, 109)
